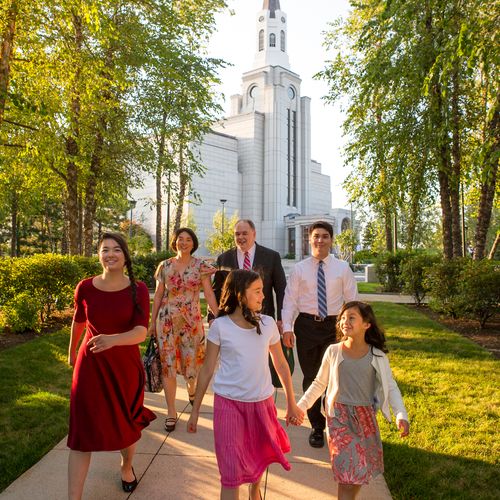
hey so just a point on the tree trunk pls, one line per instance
(388, 229)
(182, 191)
(6, 55)
(490, 172)
(72, 150)
(80, 224)
(90, 195)
(159, 177)
(456, 167)
(14, 211)
(494, 247)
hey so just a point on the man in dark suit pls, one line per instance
(250, 255)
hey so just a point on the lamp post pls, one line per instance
(223, 202)
(132, 204)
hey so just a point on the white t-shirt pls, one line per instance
(243, 373)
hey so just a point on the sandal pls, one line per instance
(170, 424)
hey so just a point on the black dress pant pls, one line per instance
(313, 338)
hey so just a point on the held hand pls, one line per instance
(192, 423)
(101, 343)
(152, 330)
(294, 415)
(404, 427)
(288, 339)
(279, 323)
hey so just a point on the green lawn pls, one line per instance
(369, 287)
(450, 387)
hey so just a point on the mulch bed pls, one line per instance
(488, 337)
(58, 321)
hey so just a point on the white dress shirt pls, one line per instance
(241, 256)
(301, 293)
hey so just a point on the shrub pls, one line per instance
(413, 273)
(145, 266)
(89, 266)
(22, 313)
(365, 257)
(388, 267)
(442, 282)
(479, 290)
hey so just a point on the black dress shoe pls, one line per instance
(316, 438)
(129, 487)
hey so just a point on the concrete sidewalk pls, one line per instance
(182, 466)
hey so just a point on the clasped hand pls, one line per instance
(294, 416)
(100, 343)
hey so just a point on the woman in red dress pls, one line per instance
(107, 394)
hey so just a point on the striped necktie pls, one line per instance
(322, 306)
(246, 262)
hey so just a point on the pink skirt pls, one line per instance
(248, 438)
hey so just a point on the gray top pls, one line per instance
(357, 381)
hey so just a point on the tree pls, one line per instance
(219, 241)
(346, 243)
(422, 81)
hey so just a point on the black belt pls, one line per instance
(315, 317)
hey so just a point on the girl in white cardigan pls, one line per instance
(358, 381)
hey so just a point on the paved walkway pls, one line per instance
(182, 466)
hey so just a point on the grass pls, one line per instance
(369, 287)
(450, 387)
(35, 382)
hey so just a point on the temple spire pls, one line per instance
(272, 6)
(271, 36)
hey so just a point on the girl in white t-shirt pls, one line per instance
(247, 434)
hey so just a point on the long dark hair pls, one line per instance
(233, 295)
(122, 242)
(374, 335)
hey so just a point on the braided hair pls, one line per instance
(233, 295)
(122, 242)
(373, 335)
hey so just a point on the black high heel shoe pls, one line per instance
(130, 486)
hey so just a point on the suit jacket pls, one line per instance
(267, 262)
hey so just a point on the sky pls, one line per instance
(234, 42)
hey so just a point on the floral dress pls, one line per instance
(179, 326)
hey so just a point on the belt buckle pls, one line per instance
(318, 318)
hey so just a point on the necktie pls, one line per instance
(246, 262)
(322, 307)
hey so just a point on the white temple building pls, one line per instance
(258, 159)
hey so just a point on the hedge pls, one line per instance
(32, 288)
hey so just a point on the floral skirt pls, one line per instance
(248, 438)
(354, 443)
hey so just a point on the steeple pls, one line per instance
(272, 6)
(271, 36)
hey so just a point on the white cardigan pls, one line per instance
(386, 389)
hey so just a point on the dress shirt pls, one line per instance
(241, 256)
(301, 293)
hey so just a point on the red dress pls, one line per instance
(107, 395)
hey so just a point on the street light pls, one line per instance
(132, 204)
(223, 202)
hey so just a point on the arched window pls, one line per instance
(261, 40)
(282, 39)
(346, 224)
(272, 40)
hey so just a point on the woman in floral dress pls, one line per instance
(176, 316)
